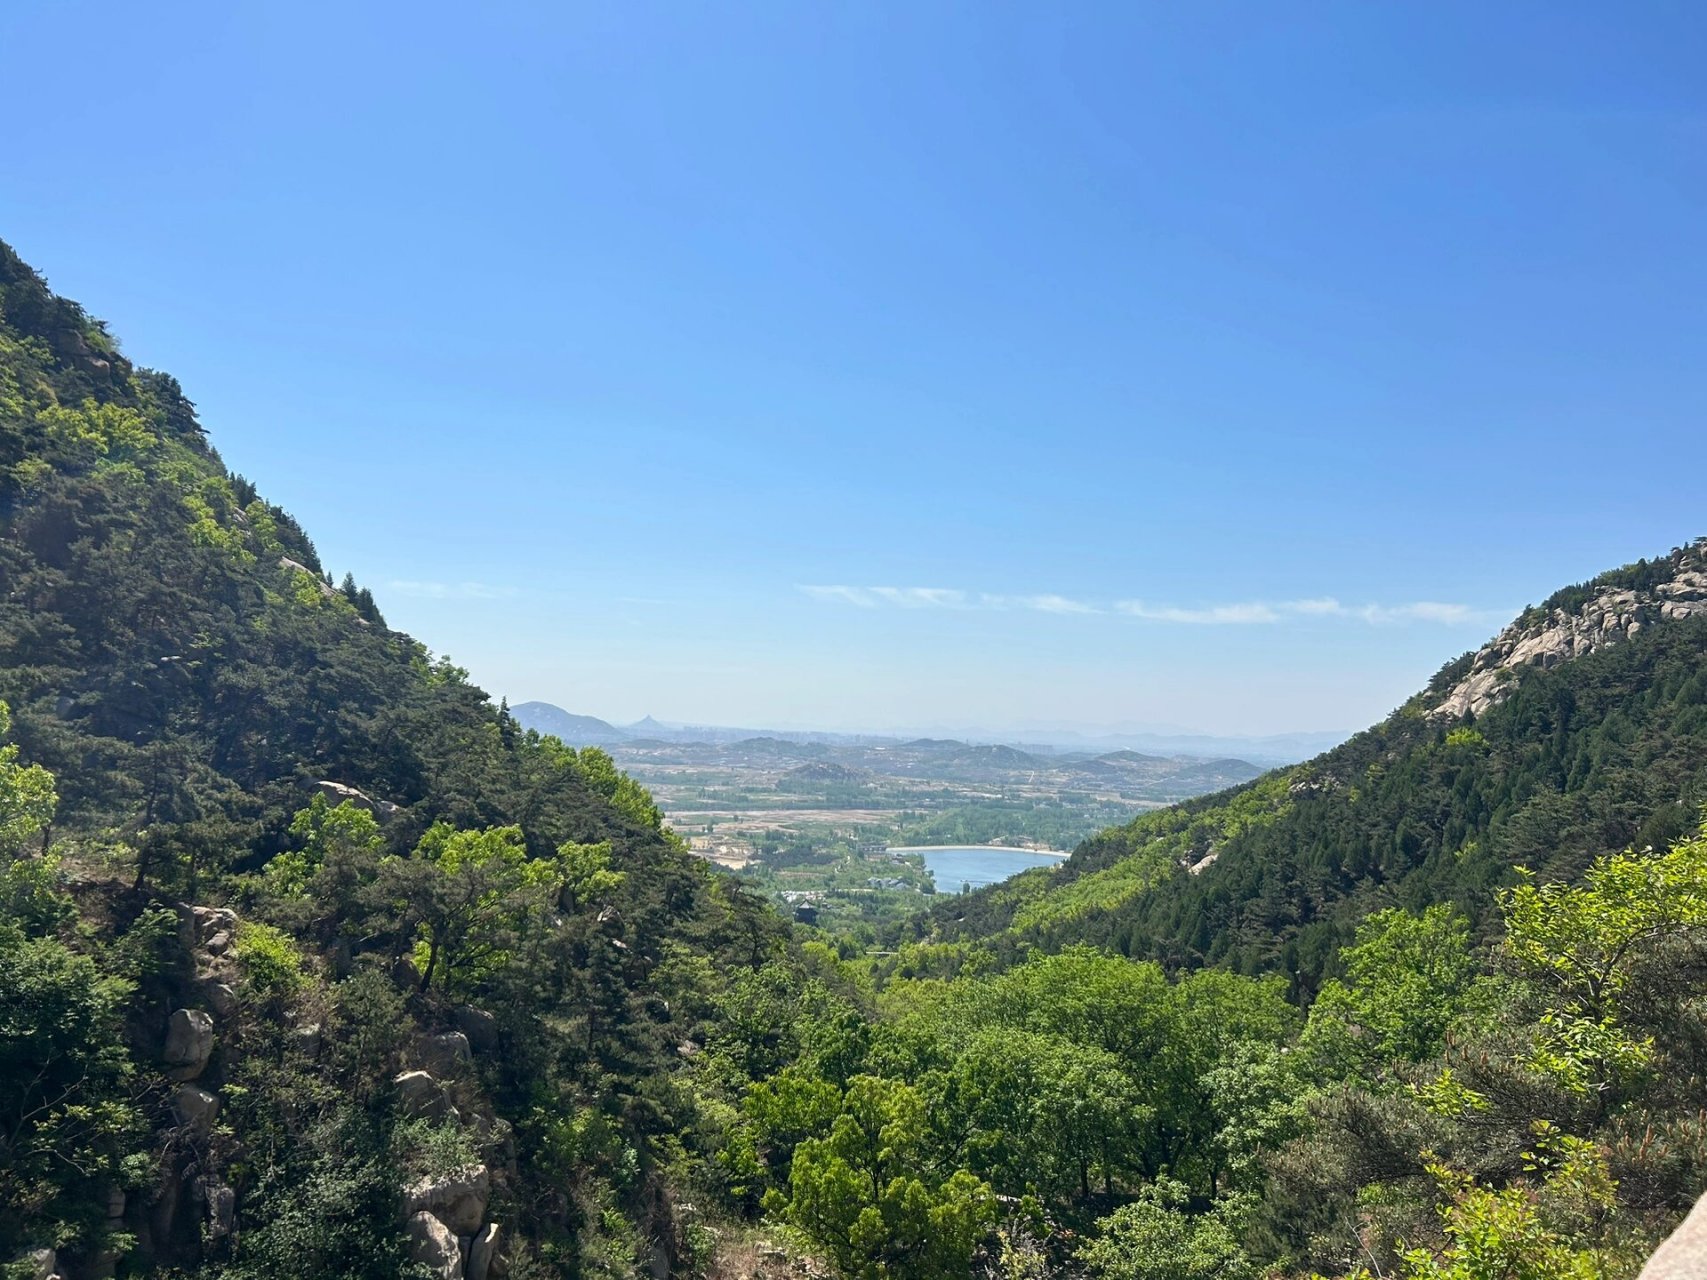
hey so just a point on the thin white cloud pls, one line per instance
(1239, 613)
(1055, 604)
(920, 597)
(1322, 605)
(1217, 615)
(1263, 613)
(1039, 604)
(1427, 611)
(450, 590)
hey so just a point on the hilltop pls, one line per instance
(574, 730)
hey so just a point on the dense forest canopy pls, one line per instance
(314, 963)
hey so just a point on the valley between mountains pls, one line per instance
(315, 962)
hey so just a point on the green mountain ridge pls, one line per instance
(1591, 735)
(195, 689)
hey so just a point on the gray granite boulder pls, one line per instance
(196, 1109)
(457, 1199)
(434, 1246)
(446, 1054)
(189, 1043)
(479, 1027)
(420, 1094)
(486, 1255)
(1683, 1256)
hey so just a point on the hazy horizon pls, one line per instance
(1038, 731)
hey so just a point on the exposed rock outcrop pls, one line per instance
(1683, 1256)
(1202, 864)
(220, 996)
(486, 1254)
(327, 590)
(446, 1054)
(434, 1246)
(1610, 615)
(420, 1094)
(338, 793)
(478, 1026)
(189, 1044)
(306, 1039)
(405, 974)
(196, 1109)
(211, 921)
(220, 1205)
(456, 1199)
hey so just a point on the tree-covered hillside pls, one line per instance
(1575, 756)
(271, 857)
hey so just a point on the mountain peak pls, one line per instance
(575, 730)
(1578, 620)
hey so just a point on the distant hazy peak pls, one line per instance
(576, 731)
(1578, 620)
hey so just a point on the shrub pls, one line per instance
(270, 960)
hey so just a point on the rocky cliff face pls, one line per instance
(1619, 606)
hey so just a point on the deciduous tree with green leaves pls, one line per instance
(465, 894)
(868, 1193)
(1156, 1238)
(1406, 979)
(1583, 943)
(27, 796)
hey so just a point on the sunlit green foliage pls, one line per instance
(1555, 1229)
(1157, 1238)
(1585, 942)
(67, 1117)
(94, 430)
(330, 835)
(869, 1193)
(585, 874)
(470, 892)
(1406, 980)
(27, 796)
(270, 962)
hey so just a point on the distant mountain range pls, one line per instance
(1274, 749)
(1267, 749)
(653, 751)
(576, 731)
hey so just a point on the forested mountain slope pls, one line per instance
(292, 858)
(1581, 728)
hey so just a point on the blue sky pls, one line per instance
(1221, 365)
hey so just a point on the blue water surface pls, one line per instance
(954, 870)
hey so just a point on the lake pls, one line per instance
(953, 867)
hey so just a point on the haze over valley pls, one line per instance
(813, 817)
(866, 642)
